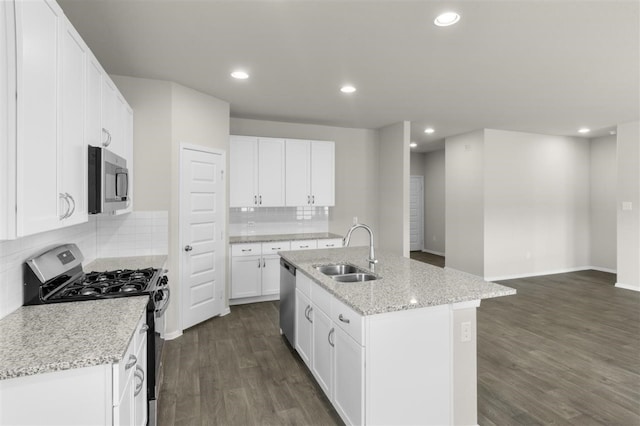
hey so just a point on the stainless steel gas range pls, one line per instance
(57, 276)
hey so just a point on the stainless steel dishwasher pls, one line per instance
(287, 300)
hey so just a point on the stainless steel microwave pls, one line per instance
(108, 181)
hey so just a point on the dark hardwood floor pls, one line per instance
(432, 259)
(564, 350)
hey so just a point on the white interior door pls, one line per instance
(416, 213)
(202, 221)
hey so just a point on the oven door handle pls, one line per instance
(165, 305)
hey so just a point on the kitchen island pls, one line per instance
(400, 349)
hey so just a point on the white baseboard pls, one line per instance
(257, 299)
(628, 286)
(437, 253)
(597, 268)
(173, 335)
(554, 272)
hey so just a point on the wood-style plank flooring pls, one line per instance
(238, 370)
(432, 259)
(565, 350)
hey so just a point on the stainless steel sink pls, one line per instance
(346, 273)
(354, 278)
(339, 269)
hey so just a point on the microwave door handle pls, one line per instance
(119, 175)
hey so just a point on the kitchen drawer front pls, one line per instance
(252, 249)
(321, 298)
(274, 248)
(141, 332)
(330, 243)
(304, 245)
(348, 320)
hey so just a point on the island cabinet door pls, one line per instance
(322, 356)
(348, 393)
(304, 327)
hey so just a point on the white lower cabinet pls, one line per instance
(304, 327)
(110, 394)
(332, 355)
(255, 267)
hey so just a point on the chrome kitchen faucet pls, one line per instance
(372, 256)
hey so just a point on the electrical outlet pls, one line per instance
(465, 331)
(355, 220)
(627, 205)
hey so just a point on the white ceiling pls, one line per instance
(534, 66)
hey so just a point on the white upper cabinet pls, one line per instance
(52, 88)
(72, 149)
(256, 172)
(310, 173)
(39, 205)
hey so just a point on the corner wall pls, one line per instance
(434, 202)
(464, 204)
(536, 205)
(393, 188)
(628, 160)
(602, 209)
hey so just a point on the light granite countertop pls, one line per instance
(281, 237)
(402, 284)
(135, 262)
(61, 336)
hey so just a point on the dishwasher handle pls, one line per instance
(289, 267)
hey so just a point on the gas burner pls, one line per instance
(89, 291)
(127, 288)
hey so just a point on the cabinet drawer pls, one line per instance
(348, 320)
(304, 244)
(321, 298)
(274, 248)
(123, 370)
(253, 249)
(330, 243)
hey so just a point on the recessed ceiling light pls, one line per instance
(347, 89)
(413, 144)
(240, 75)
(584, 130)
(446, 19)
(429, 130)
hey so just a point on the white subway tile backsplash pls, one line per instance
(132, 234)
(278, 220)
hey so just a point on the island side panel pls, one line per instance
(465, 373)
(408, 367)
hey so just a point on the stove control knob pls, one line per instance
(188, 248)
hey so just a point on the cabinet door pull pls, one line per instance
(66, 212)
(144, 328)
(140, 375)
(258, 263)
(245, 250)
(313, 199)
(343, 319)
(132, 361)
(73, 209)
(264, 263)
(329, 337)
(309, 317)
(308, 199)
(260, 200)
(330, 245)
(304, 246)
(306, 312)
(255, 200)
(276, 248)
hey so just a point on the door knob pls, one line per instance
(188, 248)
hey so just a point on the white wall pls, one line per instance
(416, 166)
(165, 115)
(356, 168)
(434, 202)
(628, 160)
(602, 209)
(464, 204)
(393, 181)
(536, 204)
